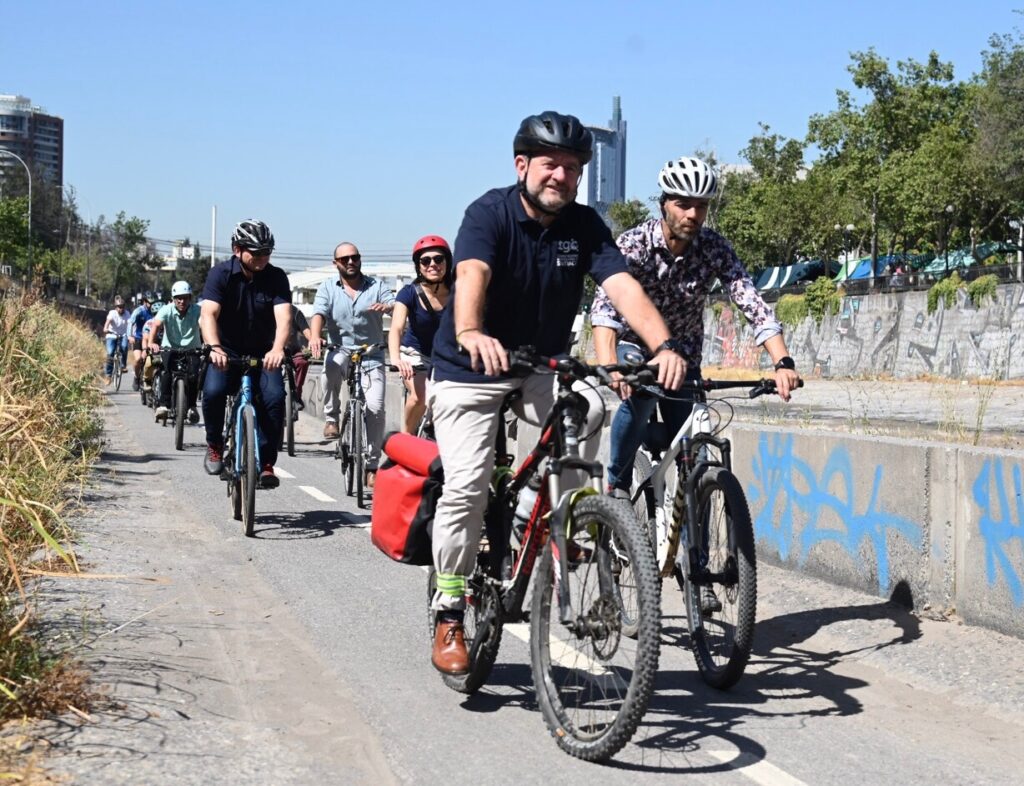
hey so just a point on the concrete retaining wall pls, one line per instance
(890, 333)
(885, 516)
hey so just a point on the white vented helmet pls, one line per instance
(181, 288)
(688, 177)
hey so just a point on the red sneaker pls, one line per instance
(214, 463)
(268, 480)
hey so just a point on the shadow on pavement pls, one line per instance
(306, 524)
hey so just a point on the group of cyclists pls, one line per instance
(514, 277)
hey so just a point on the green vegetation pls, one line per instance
(983, 289)
(48, 438)
(823, 298)
(717, 308)
(945, 290)
(791, 309)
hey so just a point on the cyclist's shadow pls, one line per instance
(306, 525)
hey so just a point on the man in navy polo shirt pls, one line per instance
(246, 310)
(520, 259)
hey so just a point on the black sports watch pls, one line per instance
(669, 343)
(785, 362)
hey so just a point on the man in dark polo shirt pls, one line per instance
(520, 259)
(246, 310)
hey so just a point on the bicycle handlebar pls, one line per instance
(248, 361)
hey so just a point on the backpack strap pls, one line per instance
(424, 300)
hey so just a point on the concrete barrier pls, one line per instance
(934, 524)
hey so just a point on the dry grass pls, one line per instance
(48, 439)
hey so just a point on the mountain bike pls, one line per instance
(242, 459)
(352, 449)
(702, 532)
(592, 682)
(179, 367)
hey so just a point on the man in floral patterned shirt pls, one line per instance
(676, 260)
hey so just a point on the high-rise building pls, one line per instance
(33, 135)
(604, 178)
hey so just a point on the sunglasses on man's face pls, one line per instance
(437, 260)
(352, 257)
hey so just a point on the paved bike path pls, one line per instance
(301, 656)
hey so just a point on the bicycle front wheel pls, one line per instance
(345, 452)
(359, 454)
(720, 615)
(180, 406)
(289, 417)
(118, 371)
(594, 683)
(250, 472)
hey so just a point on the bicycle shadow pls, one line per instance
(305, 525)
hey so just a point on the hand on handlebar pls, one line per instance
(316, 347)
(786, 381)
(484, 351)
(273, 359)
(671, 369)
(405, 369)
(219, 358)
(624, 389)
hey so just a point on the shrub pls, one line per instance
(791, 309)
(945, 289)
(983, 288)
(823, 298)
(717, 308)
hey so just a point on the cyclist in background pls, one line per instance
(521, 256)
(353, 306)
(151, 349)
(414, 322)
(115, 333)
(246, 310)
(298, 341)
(677, 259)
(179, 323)
(138, 318)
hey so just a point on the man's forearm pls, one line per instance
(470, 296)
(605, 344)
(632, 303)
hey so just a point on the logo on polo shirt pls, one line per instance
(568, 253)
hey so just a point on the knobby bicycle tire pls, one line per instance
(722, 640)
(180, 411)
(250, 472)
(482, 629)
(593, 684)
(289, 416)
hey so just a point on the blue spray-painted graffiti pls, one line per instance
(998, 532)
(781, 476)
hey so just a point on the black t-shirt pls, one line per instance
(536, 276)
(246, 323)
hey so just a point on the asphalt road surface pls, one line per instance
(301, 656)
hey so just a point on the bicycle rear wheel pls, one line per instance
(118, 370)
(722, 638)
(180, 412)
(250, 472)
(345, 452)
(482, 625)
(593, 683)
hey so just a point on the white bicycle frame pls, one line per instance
(669, 527)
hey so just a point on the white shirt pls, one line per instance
(117, 324)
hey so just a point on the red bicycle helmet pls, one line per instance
(431, 241)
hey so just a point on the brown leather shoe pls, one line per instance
(330, 430)
(371, 478)
(449, 653)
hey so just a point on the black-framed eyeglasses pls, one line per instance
(347, 257)
(260, 252)
(437, 259)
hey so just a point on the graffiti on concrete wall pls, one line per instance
(1001, 525)
(892, 334)
(799, 508)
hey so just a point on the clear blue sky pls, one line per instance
(379, 122)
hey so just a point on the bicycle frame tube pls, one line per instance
(245, 399)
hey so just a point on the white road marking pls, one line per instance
(283, 473)
(757, 770)
(317, 494)
(562, 652)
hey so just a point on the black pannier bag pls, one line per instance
(405, 494)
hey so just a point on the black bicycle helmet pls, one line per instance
(552, 131)
(254, 236)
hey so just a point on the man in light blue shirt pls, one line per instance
(353, 306)
(180, 322)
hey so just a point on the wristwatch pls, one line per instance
(785, 362)
(669, 343)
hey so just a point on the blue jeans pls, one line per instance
(112, 342)
(631, 420)
(269, 405)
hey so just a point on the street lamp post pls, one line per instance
(949, 218)
(29, 173)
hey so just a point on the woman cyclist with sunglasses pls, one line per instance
(415, 319)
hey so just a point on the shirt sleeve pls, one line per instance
(282, 291)
(301, 323)
(603, 313)
(479, 235)
(744, 294)
(213, 289)
(407, 296)
(606, 259)
(165, 313)
(385, 294)
(322, 301)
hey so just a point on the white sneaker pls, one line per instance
(162, 413)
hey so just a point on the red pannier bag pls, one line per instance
(405, 494)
